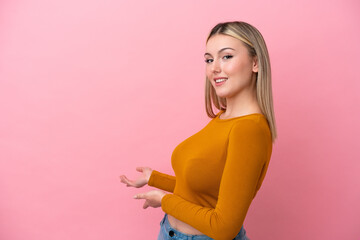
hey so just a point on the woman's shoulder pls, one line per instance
(254, 125)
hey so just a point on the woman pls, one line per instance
(220, 169)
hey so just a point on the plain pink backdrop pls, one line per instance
(91, 89)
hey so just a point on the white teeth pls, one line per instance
(220, 80)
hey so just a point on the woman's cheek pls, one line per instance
(239, 67)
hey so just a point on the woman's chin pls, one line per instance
(222, 94)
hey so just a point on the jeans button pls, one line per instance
(171, 233)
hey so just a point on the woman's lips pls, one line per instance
(223, 80)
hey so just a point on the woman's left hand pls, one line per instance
(153, 198)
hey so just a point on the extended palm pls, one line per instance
(141, 180)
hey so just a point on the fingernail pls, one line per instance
(135, 196)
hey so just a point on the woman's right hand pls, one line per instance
(141, 181)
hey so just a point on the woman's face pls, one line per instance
(228, 59)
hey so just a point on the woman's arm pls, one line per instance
(248, 154)
(162, 181)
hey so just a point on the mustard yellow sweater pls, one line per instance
(218, 173)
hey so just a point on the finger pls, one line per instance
(125, 180)
(140, 196)
(140, 169)
(146, 205)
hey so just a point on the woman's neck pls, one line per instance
(242, 104)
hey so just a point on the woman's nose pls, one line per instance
(215, 67)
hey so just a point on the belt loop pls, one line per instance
(163, 220)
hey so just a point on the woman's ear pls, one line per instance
(255, 64)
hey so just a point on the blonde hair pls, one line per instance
(256, 46)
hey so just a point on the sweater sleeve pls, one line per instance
(245, 162)
(162, 181)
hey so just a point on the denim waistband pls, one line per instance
(175, 234)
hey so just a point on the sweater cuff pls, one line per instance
(162, 181)
(151, 179)
(163, 202)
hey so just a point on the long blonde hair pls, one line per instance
(256, 46)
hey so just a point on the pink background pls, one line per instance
(91, 89)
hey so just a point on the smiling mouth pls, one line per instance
(218, 80)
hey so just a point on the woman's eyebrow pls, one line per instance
(220, 50)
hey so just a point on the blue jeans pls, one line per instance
(169, 233)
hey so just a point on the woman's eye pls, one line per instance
(208, 60)
(228, 57)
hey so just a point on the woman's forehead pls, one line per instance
(220, 41)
